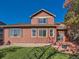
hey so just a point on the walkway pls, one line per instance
(25, 45)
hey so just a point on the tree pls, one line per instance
(72, 19)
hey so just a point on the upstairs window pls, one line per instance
(15, 32)
(42, 21)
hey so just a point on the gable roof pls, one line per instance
(43, 11)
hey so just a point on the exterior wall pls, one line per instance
(15, 39)
(27, 38)
(40, 15)
(27, 32)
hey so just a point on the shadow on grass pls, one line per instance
(5, 51)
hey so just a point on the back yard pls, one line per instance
(33, 53)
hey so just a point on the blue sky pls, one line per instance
(18, 11)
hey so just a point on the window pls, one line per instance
(51, 32)
(15, 32)
(64, 46)
(1, 31)
(34, 32)
(42, 32)
(61, 35)
(42, 21)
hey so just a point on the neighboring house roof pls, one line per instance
(2, 23)
(59, 23)
(61, 26)
(43, 11)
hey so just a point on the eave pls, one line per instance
(28, 26)
(43, 11)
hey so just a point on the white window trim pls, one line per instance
(43, 36)
(42, 17)
(32, 32)
(15, 36)
(53, 21)
(43, 23)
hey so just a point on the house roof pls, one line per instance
(61, 26)
(33, 26)
(28, 26)
(59, 23)
(43, 11)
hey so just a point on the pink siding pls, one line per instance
(35, 19)
(26, 37)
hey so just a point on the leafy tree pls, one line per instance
(72, 20)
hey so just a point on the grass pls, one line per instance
(32, 53)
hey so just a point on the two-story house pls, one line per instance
(42, 29)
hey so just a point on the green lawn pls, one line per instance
(33, 53)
